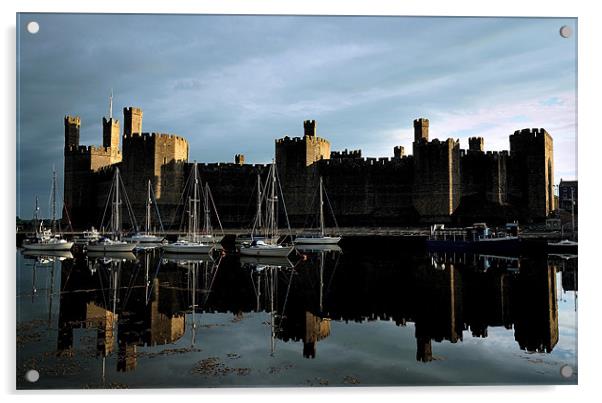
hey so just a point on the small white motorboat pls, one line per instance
(260, 248)
(110, 245)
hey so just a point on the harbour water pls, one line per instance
(375, 316)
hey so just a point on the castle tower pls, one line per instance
(110, 133)
(72, 126)
(476, 144)
(132, 121)
(239, 159)
(531, 177)
(295, 160)
(437, 181)
(421, 129)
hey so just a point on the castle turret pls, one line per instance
(239, 159)
(132, 121)
(310, 127)
(476, 144)
(110, 133)
(398, 151)
(72, 125)
(421, 130)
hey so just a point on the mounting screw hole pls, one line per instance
(566, 371)
(32, 376)
(33, 27)
(566, 31)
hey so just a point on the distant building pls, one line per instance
(567, 193)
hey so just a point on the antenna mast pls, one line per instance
(111, 105)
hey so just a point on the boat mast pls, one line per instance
(259, 219)
(111, 105)
(148, 208)
(573, 211)
(36, 218)
(321, 211)
(195, 196)
(272, 211)
(53, 200)
(116, 222)
(207, 224)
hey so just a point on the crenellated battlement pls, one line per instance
(296, 140)
(130, 109)
(534, 132)
(476, 144)
(346, 154)
(365, 161)
(92, 150)
(421, 122)
(309, 127)
(288, 140)
(155, 136)
(73, 120)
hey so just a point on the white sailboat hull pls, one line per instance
(59, 246)
(322, 240)
(111, 247)
(212, 239)
(267, 250)
(188, 247)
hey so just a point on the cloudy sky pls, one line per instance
(232, 84)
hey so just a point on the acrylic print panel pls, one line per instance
(218, 201)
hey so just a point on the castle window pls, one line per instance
(164, 160)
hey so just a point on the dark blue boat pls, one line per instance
(475, 239)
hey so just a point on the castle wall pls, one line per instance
(81, 190)
(234, 190)
(365, 192)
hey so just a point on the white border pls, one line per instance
(589, 148)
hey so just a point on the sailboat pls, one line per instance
(320, 238)
(191, 243)
(268, 245)
(46, 239)
(258, 223)
(114, 243)
(147, 236)
(207, 234)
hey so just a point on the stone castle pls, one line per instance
(439, 182)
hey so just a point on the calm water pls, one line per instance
(388, 316)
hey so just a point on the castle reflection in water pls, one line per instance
(155, 300)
